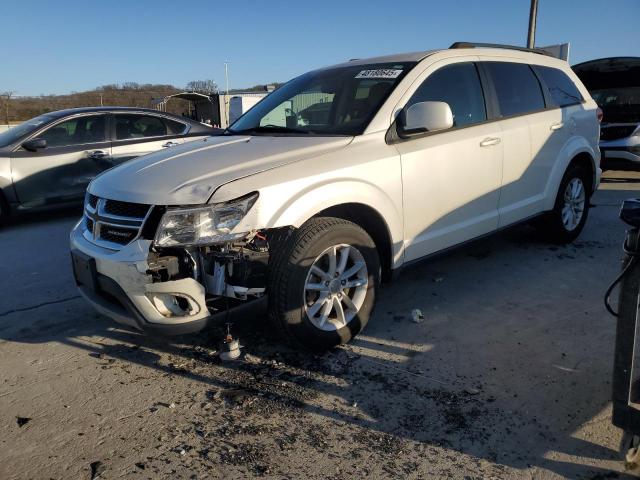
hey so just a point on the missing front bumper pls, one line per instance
(155, 292)
(113, 302)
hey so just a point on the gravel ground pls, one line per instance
(507, 376)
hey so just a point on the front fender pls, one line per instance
(367, 172)
(574, 147)
(278, 210)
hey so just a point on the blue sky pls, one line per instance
(63, 46)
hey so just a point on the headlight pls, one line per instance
(203, 225)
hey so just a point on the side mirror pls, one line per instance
(424, 117)
(35, 144)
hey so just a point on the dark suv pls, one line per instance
(614, 83)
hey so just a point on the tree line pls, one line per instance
(15, 108)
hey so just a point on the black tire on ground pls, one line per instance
(4, 210)
(290, 265)
(551, 225)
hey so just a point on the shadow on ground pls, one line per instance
(513, 358)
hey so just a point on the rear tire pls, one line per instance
(323, 282)
(564, 223)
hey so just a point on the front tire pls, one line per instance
(323, 282)
(4, 210)
(564, 223)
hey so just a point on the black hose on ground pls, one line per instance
(633, 259)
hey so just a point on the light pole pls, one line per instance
(226, 96)
(533, 14)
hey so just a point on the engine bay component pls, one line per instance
(171, 264)
(237, 270)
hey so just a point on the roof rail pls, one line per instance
(498, 45)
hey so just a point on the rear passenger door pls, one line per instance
(136, 134)
(563, 117)
(529, 146)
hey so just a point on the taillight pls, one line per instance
(599, 114)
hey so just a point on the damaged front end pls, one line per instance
(172, 270)
(231, 274)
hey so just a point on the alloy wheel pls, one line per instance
(336, 287)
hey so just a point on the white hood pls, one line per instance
(189, 174)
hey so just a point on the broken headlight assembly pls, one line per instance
(203, 225)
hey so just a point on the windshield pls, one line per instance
(336, 101)
(25, 128)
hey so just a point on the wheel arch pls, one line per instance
(576, 151)
(584, 159)
(372, 222)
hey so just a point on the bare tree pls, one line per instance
(202, 86)
(6, 98)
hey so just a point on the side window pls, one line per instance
(132, 126)
(174, 127)
(76, 131)
(459, 86)
(562, 89)
(517, 88)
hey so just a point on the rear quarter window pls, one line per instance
(174, 127)
(561, 88)
(135, 126)
(518, 90)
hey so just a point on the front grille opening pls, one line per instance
(114, 222)
(121, 236)
(92, 200)
(125, 209)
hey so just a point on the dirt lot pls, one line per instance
(508, 376)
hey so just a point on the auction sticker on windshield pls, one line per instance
(380, 73)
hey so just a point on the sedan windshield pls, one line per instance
(336, 101)
(25, 128)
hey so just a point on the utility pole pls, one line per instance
(533, 14)
(226, 97)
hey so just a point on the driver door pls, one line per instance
(451, 178)
(76, 150)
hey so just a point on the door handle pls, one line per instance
(96, 154)
(487, 142)
(170, 144)
(556, 126)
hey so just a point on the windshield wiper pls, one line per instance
(270, 129)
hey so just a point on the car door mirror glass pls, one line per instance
(422, 117)
(35, 144)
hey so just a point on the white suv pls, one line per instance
(335, 181)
